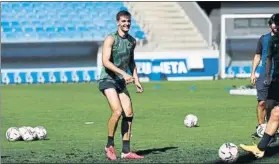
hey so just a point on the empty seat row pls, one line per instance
(61, 19)
(61, 29)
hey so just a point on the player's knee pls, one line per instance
(117, 113)
(262, 104)
(127, 114)
(275, 113)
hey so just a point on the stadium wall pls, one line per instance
(152, 66)
(51, 54)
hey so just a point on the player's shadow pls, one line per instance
(249, 158)
(154, 150)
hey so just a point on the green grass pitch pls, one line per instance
(158, 131)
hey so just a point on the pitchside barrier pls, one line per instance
(151, 66)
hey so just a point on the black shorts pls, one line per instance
(273, 91)
(118, 85)
(262, 90)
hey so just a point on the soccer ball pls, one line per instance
(190, 120)
(260, 130)
(32, 132)
(228, 152)
(26, 134)
(41, 132)
(12, 134)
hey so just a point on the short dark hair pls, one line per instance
(122, 13)
(274, 19)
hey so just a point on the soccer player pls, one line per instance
(118, 61)
(273, 94)
(261, 53)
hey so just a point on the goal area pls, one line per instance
(238, 41)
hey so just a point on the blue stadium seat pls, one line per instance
(5, 24)
(28, 30)
(82, 29)
(18, 29)
(7, 29)
(15, 24)
(24, 23)
(62, 20)
(50, 29)
(39, 29)
(71, 29)
(61, 29)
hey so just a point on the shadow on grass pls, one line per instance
(154, 150)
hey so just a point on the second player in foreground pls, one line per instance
(272, 97)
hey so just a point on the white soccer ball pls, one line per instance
(190, 120)
(228, 152)
(261, 129)
(41, 132)
(32, 132)
(12, 134)
(26, 134)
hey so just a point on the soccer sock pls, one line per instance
(264, 142)
(126, 146)
(125, 124)
(110, 141)
(124, 130)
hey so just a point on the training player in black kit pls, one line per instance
(272, 97)
(261, 54)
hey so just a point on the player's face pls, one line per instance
(124, 23)
(273, 28)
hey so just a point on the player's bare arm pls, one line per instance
(256, 61)
(107, 47)
(133, 68)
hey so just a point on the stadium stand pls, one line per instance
(61, 21)
(171, 25)
(54, 40)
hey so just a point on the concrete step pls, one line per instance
(168, 14)
(174, 27)
(170, 28)
(180, 33)
(181, 46)
(176, 35)
(167, 20)
(178, 39)
(154, 4)
(159, 49)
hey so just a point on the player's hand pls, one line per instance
(253, 79)
(128, 78)
(267, 81)
(138, 86)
